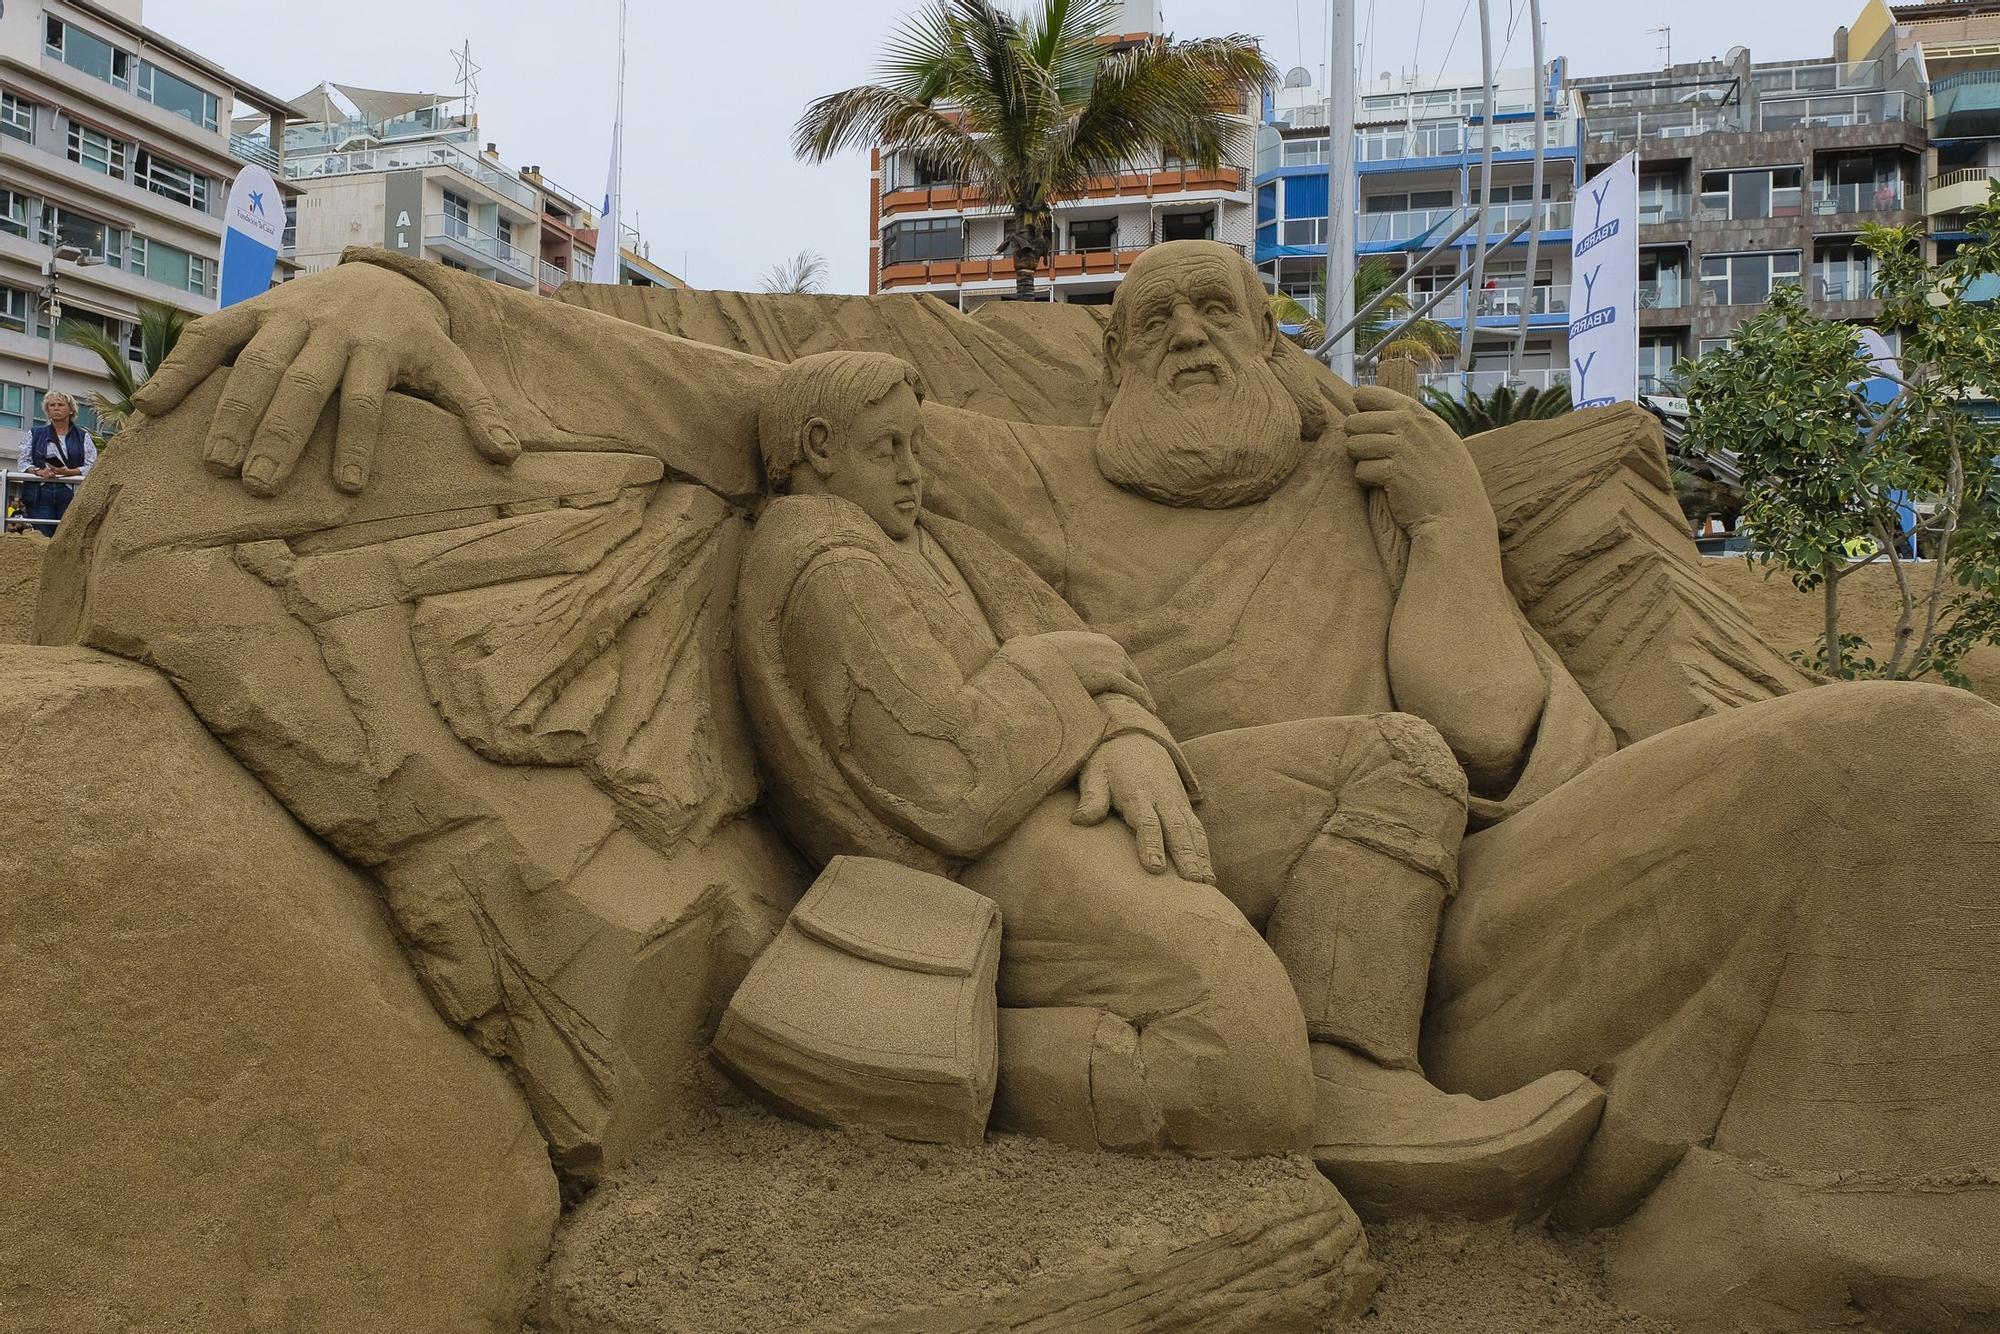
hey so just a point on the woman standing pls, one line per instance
(57, 448)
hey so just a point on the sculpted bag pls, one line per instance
(874, 1007)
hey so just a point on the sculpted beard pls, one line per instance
(1213, 449)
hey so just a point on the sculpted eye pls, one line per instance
(1217, 308)
(1155, 322)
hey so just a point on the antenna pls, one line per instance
(1666, 36)
(467, 80)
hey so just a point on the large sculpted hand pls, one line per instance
(1418, 463)
(1099, 662)
(358, 329)
(1134, 775)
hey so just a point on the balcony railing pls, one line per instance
(553, 275)
(1452, 140)
(1455, 384)
(1506, 301)
(1409, 224)
(445, 228)
(1664, 295)
(1843, 287)
(1676, 208)
(1666, 123)
(1788, 113)
(253, 150)
(396, 157)
(1862, 197)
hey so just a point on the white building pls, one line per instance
(116, 158)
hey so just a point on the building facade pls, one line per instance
(1756, 175)
(116, 159)
(935, 236)
(1418, 154)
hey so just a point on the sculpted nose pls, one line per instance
(1184, 331)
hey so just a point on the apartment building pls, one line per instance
(1419, 145)
(933, 235)
(116, 158)
(1756, 175)
(407, 172)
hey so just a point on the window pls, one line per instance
(14, 308)
(504, 229)
(1187, 227)
(170, 180)
(928, 238)
(170, 265)
(17, 117)
(93, 236)
(95, 149)
(86, 51)
(1709, 345)
(1304, 152)
(13, 211)
(170, 92)
(1658, 354)
(1746, 280)
(1763, 192)
(1094, 234)
(1842, 271)
(20, 406)
(457, 215)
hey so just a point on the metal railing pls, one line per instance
(1675, 209)
(553, 275)
(9, 479)
(1681, 123)
(1663, 296)
(395, 157)
(1408, 224)
(255, 151)
(1788, 113)
(1861, 197)
(447, 227)
(1455, 384)
(1450, 140)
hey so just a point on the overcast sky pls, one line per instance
(712, 90)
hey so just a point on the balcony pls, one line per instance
(399, 157)
(1668, 295)
(1673, 208)
(1069, 264)
(1455, 140)
(1959, 191)
(1888, 196)
(1456, 384)
(1791, 113)
(1966, 105)
(1609, 127)
(478, 250)
(1386, 230)
(553, 275)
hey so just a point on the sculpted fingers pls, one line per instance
(202, 349)
(1375, 473)
(295, 410)
(1189, 846)
(370, 372)
(1374, 398)
(1152, 841)
(252, 381)
(1093, 801)
(445, 375)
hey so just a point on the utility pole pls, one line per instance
(1340, 95)
(1489, 97)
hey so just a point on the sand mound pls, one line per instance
(761, 1224)
(20, 579)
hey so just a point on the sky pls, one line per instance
(712, 90)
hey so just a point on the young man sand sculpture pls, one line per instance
(920, 695)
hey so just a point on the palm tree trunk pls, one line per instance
(1024, 273)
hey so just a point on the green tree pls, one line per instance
(160, 328)
(1424, 342)
(1502, 407)
(1025, 110)
(1825, 471)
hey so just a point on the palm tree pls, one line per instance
(804, 274)
(1425, 341)
(1500, 408)
(1025, 110)
(160, 328)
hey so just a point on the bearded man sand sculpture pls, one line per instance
(1782, 987)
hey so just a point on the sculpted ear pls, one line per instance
(817, 445)
(1111, 357)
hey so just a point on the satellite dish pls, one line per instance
(1299, 77)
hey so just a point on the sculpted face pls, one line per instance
(871, 460)
(1200, 416)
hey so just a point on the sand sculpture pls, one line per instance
(496, 649)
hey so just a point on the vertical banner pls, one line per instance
(253, 229)
(604, 264)
(1604, 272)
(403, 212)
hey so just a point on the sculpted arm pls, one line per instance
(953, 761)
(1457, 654)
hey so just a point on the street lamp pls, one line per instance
(51, 297)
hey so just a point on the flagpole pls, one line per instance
(1340, 205)
(604, 267)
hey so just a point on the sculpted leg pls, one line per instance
(1139, 1011)
(1774, 936)
(1340, 836)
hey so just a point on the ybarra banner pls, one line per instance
(1604, 325)
(254, 226)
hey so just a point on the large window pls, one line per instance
(1187, 226)
(101, 152)
(928, 238)
(17, 116)
(14, 308)
(1843, 271)
(170, 180)
(88, 52)
(1093, 234)
(13, 211)
(457, 215)
(171, 265)
(170, 92)
(1304, 152)
(93, 236)
(1658, 354)
(1747, 280)
(1762, 192)
(20, 406)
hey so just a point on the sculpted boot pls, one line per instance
(1355, 927)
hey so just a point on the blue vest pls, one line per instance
(43, 443)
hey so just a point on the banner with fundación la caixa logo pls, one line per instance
(1604, 288)
(253, 229)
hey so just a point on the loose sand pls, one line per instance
(20, 578)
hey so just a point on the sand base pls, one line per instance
(758, 1224)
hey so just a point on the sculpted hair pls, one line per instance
(831, 386)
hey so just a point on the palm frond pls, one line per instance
(803, 274)
(110, 351)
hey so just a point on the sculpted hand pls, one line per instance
(1407, 451)
(1135, 776)
(1099, 662)
(358, 329)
